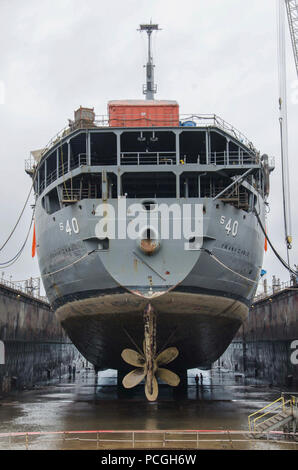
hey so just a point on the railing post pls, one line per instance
(207, 147)
(118, 140)
(177, 144)
(45, 172)
(178, 185)
(38, 181)
(27, 448)
(133, 439)
(68, 155)
(88, 148)
(57, 162)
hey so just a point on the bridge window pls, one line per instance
(148, 148)
(78, 150)
(193, 146)
(103, 148)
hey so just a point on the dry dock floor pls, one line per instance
(221, 402)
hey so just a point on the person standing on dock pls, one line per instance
(197, 380)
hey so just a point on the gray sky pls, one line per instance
(212, 57)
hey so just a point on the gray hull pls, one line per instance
(99, 295)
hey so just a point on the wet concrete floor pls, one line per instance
(221, 402)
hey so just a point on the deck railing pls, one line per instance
(146, 439)
(274, 289)
(23, 287)
(199, 120)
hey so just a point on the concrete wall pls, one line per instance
(262, 346)
(36, 347)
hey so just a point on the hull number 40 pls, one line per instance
(231, 226)
(70, 227)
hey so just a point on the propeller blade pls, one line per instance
(133, 378)
(168, 377)
(166, 356)
(152, 396)
(133, 357)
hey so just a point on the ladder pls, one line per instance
(273, 416)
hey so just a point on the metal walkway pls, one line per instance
(274, 416)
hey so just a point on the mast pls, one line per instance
(150, 88)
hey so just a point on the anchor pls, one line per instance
(148, 363)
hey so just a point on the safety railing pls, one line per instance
(148, 158)
(208, 120)
(75, 162)
(233, 158)
(274, 289)
(200, 120)
(274, 408)
(145, 439)
(77, 194)
(23, 287)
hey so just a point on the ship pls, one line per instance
(138, 303)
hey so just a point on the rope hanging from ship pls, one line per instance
(282, 261)
(16, 257)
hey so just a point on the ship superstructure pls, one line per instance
(150, 300)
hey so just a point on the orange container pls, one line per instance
(142, 113)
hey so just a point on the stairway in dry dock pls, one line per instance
(274, 416)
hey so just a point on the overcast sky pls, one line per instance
(212, 57)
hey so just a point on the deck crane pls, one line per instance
(291, 6)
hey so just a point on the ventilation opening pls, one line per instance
(104, 244)
(149, 205)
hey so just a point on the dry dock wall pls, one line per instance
(36, 348)
(263, 347)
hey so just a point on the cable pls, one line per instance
(283, 262)
(227, 267)
(23, 209)
(10, 262)
(18, 220)
(69, 265)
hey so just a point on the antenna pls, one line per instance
(150, 88)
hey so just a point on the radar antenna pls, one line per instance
(150, 88)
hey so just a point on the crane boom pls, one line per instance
(283, 122)
(292, 11)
